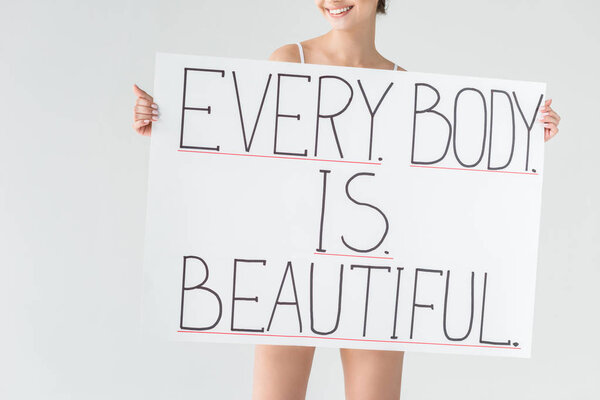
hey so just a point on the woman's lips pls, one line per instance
(339, 12)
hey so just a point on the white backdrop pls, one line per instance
(73, 189)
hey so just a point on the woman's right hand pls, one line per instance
(144, 112)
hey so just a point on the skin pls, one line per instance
(282, 372)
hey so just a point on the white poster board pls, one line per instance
(334, 206)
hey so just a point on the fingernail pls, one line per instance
(154, 118)
(146, 120)
(154, 105)
(155, 112)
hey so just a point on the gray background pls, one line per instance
(73, 180)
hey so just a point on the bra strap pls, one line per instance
(301, 52)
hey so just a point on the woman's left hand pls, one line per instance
(550, 119)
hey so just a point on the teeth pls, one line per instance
(339, 10)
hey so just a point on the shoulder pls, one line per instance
(401, 69)
(287, 53)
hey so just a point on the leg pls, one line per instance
(281, 372)
(372, 374)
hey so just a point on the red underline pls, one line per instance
(353, 255)
(358, 340)
(478, 170)
(284, 157)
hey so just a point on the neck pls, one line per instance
(354, 48)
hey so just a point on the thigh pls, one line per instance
(372, 374)
(281, 372)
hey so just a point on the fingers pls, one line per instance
(139, 123)
(546, 105)
(140, 115)
(550, 127)
(553, 113)
(550, 132)
(550, 119)
(547, 110)
(140, 93)
(145, 102)
(146, 111)
(143, 127)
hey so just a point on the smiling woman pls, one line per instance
(350, 42)
(282, 372)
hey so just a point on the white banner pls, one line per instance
(335, 206)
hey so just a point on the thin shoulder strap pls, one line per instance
(301, 52)
(395, 67)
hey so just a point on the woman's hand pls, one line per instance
(550, 119)
(144, 112)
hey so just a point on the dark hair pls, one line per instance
(381, 7)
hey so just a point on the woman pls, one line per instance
(282, 372)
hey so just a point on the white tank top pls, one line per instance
(302, 55)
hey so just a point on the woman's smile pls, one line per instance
(339, 12)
